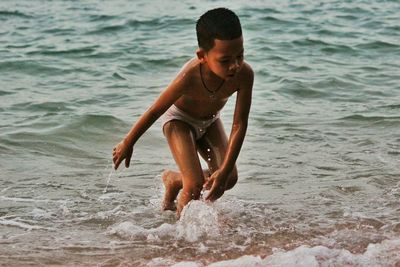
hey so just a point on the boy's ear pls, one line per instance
(201, 55)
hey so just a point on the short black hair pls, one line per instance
(220, 23)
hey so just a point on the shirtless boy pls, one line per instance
(189, 109)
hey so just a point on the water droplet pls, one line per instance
(209, 159)
(208, 150)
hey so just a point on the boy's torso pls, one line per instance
(197, 101)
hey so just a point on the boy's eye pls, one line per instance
(228, 61)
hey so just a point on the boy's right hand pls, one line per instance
(120, 152)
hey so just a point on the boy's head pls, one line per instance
(219, 23)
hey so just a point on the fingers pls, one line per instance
(117, 161)
(116, 158)
(207, 184)
(128, 161)
(215, 193)
(210, 196)
(119, 154)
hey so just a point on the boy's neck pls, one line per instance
(209, 75)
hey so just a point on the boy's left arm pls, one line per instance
(238, 132)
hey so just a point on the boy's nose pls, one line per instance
(235, 65)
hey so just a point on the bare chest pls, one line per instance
(202, 103)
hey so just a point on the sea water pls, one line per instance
(319, 170)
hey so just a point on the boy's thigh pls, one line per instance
(213, 145)
(184, 150)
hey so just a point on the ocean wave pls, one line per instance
(101, 17)
(168, 23)
(365, 118)
(3, 93)
(57, 31)
(163, 22)
(48, 107)
(22, 225)
(260, 10)
(118, 76)
(381, 254)
(4, 14)
(372, 120)
(271, 19)
(31, 67)
(98, 54)
(109, 29)
(296, 88)
(335, 83)
(77, 136)
(335, 48)
(82, 51)
(310, 42)
(338, 33)
(390, 107)
(347, 8)
(350, 17)
(379, 45)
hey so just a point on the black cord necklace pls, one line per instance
(212, 92)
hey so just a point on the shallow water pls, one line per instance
(319, 171)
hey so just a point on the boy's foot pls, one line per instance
(172, 184)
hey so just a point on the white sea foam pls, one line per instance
(20, 225)
(129, 230)
(161, 262)
(185, 264)
(29, 200)
(103, 215)
(107, 197)
(382, 254)
(198, 220)
(39, 214)
(242, 261)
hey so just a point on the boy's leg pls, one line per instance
(184, 150)
(212, 147)
(173, 184)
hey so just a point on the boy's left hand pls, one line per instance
(120, 152)
(217, 181)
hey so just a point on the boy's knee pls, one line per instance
(233, 178)
(194, 190)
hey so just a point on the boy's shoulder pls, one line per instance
(246, 73)
(190, 65)
(189, 69)
(247, 69)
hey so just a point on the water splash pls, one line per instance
(198, 219)
(109, 178)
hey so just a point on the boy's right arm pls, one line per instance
(124, 149)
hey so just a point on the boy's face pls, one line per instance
(225, 59)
